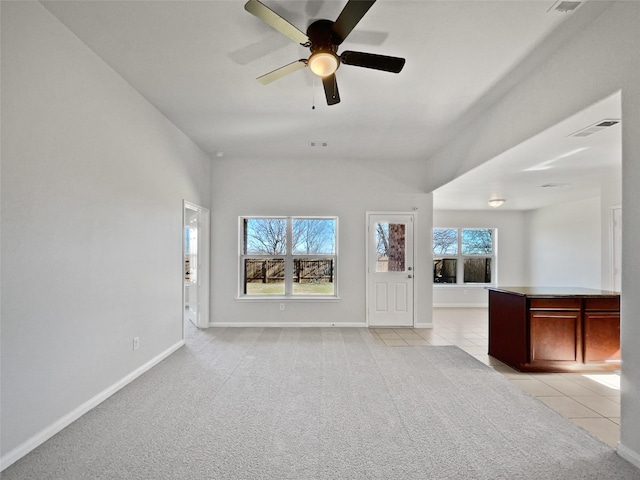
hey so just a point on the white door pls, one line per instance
(390, 270)
(196, 265)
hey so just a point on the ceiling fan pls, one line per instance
(323, 38)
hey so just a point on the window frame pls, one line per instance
(460, 258)
(289, 260)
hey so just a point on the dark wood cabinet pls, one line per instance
(601, 337)
(554, 329)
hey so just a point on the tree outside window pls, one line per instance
(390, 247)
(288, 256)
(463, 255)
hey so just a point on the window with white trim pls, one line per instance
(288, 257)
(464, 255)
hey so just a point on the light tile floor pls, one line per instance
(589, 400)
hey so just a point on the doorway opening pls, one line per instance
(195, 253)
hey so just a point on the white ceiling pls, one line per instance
(197, 61)
(551, 168)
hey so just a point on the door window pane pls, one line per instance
(445, 241)
(391, 247)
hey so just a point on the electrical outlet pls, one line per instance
(282, 306)
(136, 343)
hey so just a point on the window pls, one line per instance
(463, 255)
(288, 256)
(390, 247)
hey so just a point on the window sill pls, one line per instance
(283, 299)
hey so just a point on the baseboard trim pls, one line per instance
(629, 455)
(301, 324)
(287, 324)
(45, 434)
(460, 305)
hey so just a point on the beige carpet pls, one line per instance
(253, 403)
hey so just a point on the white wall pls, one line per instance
(346, 189)
(564, 76)
(93, 179)
(511, 254)
(565, 245)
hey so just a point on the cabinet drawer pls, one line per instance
(554, 304)
(602, 304)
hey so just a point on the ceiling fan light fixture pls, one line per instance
(323, 63)
(496, 202)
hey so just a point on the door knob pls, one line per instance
(410, 276)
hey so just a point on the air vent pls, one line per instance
(595, 128)
(563, 6)
(554, 185)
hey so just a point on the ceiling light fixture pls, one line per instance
(496, 202)
(323, 63)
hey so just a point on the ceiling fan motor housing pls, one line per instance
(324, 60)
(322, 37)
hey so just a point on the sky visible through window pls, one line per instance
(309, 236)
(474, 241)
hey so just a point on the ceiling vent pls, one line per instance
(564, 6)
(595, 128)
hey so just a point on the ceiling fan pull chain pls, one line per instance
(313, 93)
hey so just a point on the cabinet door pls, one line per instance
(601, 336)
(555, 336)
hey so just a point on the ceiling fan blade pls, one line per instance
(282, 72)
(351, 14)
(274, 20)
(371, 60)
(331, 89)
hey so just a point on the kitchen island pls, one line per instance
(551, 329)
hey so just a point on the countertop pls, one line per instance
(555, 291)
